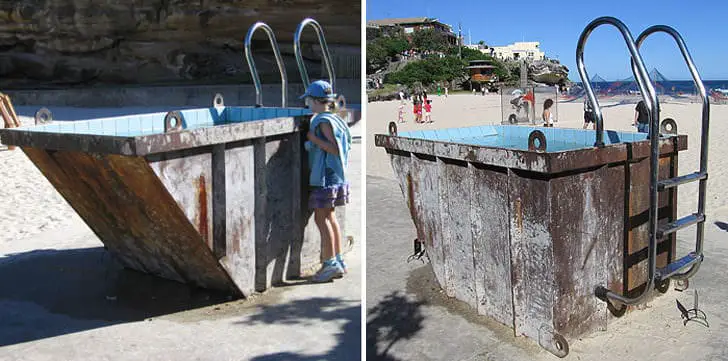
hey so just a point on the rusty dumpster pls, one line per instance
(214, 196)
(525, 236)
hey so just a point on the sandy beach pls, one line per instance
(655, 332)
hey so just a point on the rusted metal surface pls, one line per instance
(525, 237)
(132, 212)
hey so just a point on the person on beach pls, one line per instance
(642, 117)
(588, 114)
(400, 115)
(546, 115)
(417, 109)
(428, 109)
(328, 145)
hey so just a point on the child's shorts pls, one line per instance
(427, 114)
(328, 197)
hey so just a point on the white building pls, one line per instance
(518, 50)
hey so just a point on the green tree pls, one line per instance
(429, 39)
(428, 71)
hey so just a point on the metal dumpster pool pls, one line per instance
(213, 196)
(525, 236)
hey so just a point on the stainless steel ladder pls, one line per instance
(254, 70)
(324, 50)
(693, 259)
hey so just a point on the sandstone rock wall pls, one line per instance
(55, 43)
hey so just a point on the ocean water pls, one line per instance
(668, 87)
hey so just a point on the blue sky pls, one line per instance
(558, 24)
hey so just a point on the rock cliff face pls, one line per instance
(548, 72)
(49, 43)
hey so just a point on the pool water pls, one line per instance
(516, 137)
(153, 123)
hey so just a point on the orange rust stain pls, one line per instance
(519, 215)
(202, 208)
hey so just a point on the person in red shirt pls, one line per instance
(418, 111)
(428, 109)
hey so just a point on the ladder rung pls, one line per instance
(679, 224)
(674, 182)
(675, 267)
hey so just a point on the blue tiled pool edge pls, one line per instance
(516, 137)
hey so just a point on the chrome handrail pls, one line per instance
(254, 70)
(324, 50)
(648, 94)
(703, 138)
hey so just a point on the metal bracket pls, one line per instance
(668, 126)
(420, 251)
(173, 122)
(393, 129)
(218, 101)
(552, 341)
(533, 137)
(43, 116)
(693, 314)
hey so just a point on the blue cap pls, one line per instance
(319, 89)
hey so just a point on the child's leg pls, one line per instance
(321, 216)
(336, 231)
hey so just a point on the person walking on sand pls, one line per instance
(546, 115)
(328, 146)
(642, 117)
(428, 109)
(588, 114)
(400, 115)
(416, 109)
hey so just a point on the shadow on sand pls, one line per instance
(312, 311)
(394, 318)
(46, 293)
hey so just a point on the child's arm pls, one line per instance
(329, 144)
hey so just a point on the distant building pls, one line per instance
(481, 71)
(518, 50)
(410, 25)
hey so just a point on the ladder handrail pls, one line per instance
(704, 134)
(254, 70)
(324, 50)
(651, 99)
(646, 88)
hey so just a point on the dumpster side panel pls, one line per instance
(188, 177)
(419, 179)
(238, 216)
(635, 258)
(587, 215)
(279, 227)
(491, 244)
(424, 189)
(121, 199)
(456, 182)
(531, 254)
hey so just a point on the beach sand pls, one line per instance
(653, 333)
